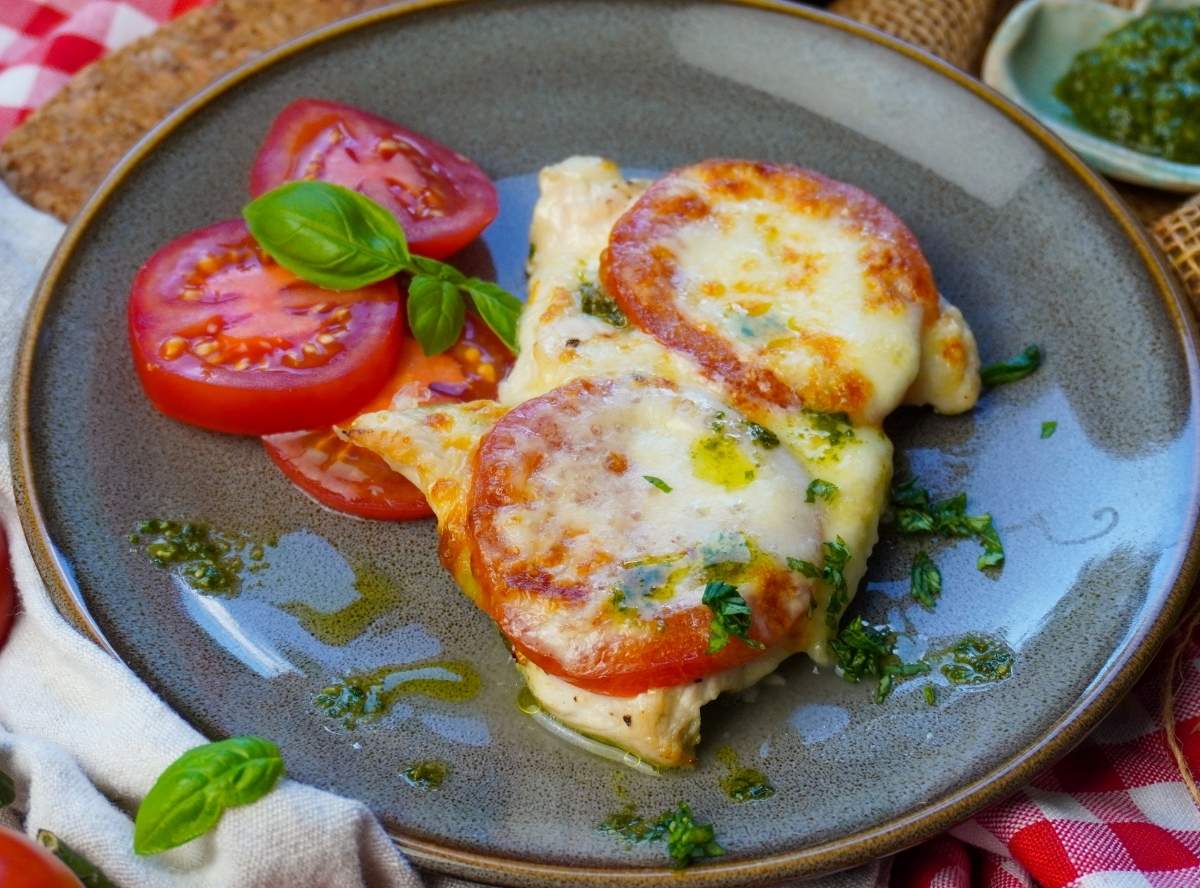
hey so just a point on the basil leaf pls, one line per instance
(189, 797)
(8, 792)
(435, 313)
(1013, 369)
(763, 436)
(731, 616)
(499, 309)
(832, 572)
(1049, 427)
(819, 487)
(327, 234)
(659, 483)
(88, 873)
(926, 581)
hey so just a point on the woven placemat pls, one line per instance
(113, 103)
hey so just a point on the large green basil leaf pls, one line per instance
(189, 797)
(327, 234)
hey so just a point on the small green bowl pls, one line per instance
(1035, 46)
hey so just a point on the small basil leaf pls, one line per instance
(499, 309)
(926, 581)
(1015, 368)
(435, 313)
(8, 792)
(327, 234)
(189, 797)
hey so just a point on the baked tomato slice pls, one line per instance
(783, 285)
(356, 481)
(226, 339)
(440, 198)
(593, 541)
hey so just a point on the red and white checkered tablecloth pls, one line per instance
(43, 43)
(1114, 813)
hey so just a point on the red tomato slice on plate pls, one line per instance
(226, 339)
(440, 198)
(354, 480)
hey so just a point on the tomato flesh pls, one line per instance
(226, 339)
(356, 481)
(441, 199)
(26, 864)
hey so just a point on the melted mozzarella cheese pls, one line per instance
(580, 201)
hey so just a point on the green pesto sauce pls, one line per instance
(595, 302)
(687, 841)
(718, 459)
(975, 660)
(426, 775)
(742, 784)
(377, 595)
(835, 428)
(1140, 86)
(210, 561)
(368, 696)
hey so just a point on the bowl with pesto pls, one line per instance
(1121, 87)
(1032, 552)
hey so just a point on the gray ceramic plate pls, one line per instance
(1098, 520)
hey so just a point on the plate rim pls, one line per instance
(906, 829)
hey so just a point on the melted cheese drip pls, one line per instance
(580, 200)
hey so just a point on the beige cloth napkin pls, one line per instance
(84, 738)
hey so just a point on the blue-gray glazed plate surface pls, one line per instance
(1097, 520)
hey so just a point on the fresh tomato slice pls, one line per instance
(26, 864)
(356, 481)
(226, 339)
(8, 592)
(440, 198)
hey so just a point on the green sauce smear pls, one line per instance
(426, 776)
(368, 696)
(210, 561)
(377, 594)
(743, 784)
(1140, 86)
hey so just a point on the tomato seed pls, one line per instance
(172, 348)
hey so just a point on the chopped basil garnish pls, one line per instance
(595, 302)
(1049, 427)
(832, 573)
(1013, 369)
(762, 436)
(914, 513)
(864, 651)
(926, 581)
(731, 616)
(659, 483)
(819, 488)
